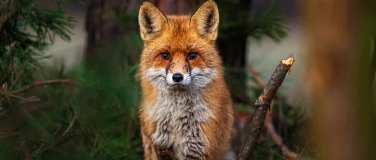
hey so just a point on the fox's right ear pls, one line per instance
(151, 21)
(205, 20)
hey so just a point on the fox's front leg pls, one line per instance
(149, 149)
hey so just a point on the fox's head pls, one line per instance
(179, 50)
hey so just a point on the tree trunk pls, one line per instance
(232, 48)
(338, 77)
(103, 29)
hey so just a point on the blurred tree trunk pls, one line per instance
(232, 47)
(101, 28)
(338, 78)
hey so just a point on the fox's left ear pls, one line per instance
(205, 20)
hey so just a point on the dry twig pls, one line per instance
(262, 105)
(41, 83)
(268, 122)
(373, 61)
(255, 77)
(69, 127)
(5, 92)
(7, 135)
(276, 138)
(25, 149)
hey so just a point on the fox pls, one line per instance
(185, 107)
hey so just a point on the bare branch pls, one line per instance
(7, 135)
(268, 122)
(5, 92)
(25, 149)
(262, 105)
(373, 60)
(41, 83)
(69, 127)
(276, 138)
(256, 77)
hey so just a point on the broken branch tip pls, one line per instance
(289, 61)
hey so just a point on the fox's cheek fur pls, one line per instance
(202, 77)
(157, 76)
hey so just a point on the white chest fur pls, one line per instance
(179, 112)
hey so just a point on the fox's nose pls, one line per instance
(177, 77)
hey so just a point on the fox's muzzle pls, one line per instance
(178, 71)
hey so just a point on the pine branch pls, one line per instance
(262, 105)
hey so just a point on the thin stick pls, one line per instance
(40, 83)
(262, 105)
(6, 136)
(255, 77)
(5, 92)
(373, 61)
(69, 127)
(268, 122)
(25, 149)
(276, 138)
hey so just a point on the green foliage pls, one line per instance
(235, 19)
(101, 110)
(92, 116)
(268, 23)
(27, 30)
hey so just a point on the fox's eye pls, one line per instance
(192, 55)
(165, 56)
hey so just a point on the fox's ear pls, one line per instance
(205, 20)
(151, 21)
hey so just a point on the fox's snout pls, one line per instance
(178, 70)
(177, 77)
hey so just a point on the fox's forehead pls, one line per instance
(178, 25)
(178, 36)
